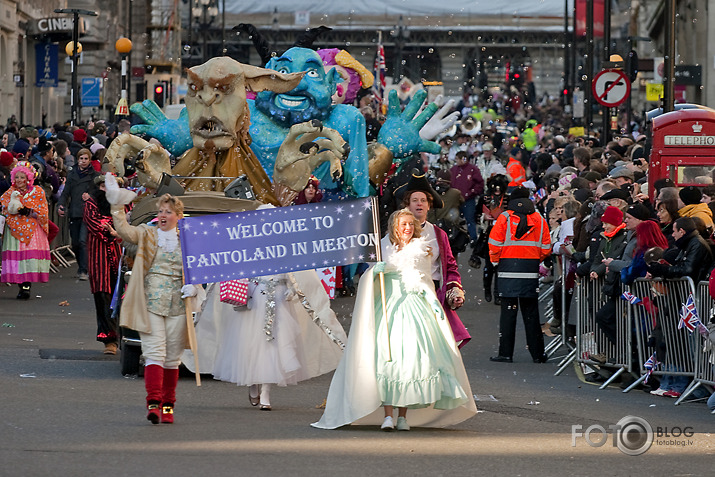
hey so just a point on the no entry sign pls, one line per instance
(611, 87)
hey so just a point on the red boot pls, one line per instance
(171, 378)
(153, 381)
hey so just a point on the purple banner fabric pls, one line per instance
(249, 244)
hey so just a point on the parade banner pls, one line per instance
(223, 247)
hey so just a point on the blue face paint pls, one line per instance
(311, 99)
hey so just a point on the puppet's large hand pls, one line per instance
(173, 134)
(149, 159)
(441, 121)
(401, 131)
(308, 145)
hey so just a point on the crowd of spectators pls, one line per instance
(594, 195)
(66, 162)
(605, 223)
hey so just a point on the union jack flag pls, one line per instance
(378, 87)
(689, 315)
(630, 298)
(540, 194)
(649, 366)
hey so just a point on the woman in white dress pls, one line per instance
(410, 362)
(286, 334)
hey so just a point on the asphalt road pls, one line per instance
(66, 410)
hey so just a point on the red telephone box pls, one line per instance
(683, 148)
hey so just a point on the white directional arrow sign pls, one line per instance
(611, 87)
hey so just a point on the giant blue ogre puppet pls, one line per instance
(272, 114)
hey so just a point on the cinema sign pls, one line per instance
(46, 26)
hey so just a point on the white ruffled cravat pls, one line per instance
(168, 240)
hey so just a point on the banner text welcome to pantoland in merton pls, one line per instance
(248, 244)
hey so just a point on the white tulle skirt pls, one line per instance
(234, 344)
(246, 354)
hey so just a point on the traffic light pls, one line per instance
(159, 94)
(632, 65)
(517, 77)
(565, 98)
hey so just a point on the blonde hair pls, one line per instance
(173, 202)
(394, 219)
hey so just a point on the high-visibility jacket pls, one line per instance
(529, 138)
(516, 172)
(518, 259)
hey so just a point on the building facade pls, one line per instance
(454, 46)
(36, 71)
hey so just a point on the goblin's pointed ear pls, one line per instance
(262, 79)
(334, 78)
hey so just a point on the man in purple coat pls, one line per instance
(419, 197)
(467, 179)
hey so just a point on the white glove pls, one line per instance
(116, 195)
(188, 291)
(441, 121)
(14, 205)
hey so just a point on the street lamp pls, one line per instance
(69, 48)
(123, 47)
(205, 11)
(75, 51)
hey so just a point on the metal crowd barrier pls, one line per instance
(590, 339)
(546, 306)
(545, 301)
(561, 340)
(662, 301)
(704, 373)
(64, 255)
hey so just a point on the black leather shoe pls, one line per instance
(543, 359)
(497, 300)
(24, 293)
(488, 295)
(501, 359)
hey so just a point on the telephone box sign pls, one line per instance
(683, 147)
(698, 138)
(689, 141)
